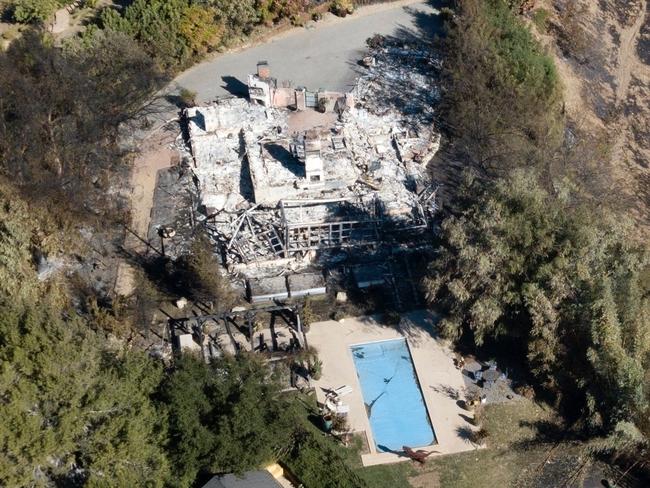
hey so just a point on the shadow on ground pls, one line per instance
(235, 86)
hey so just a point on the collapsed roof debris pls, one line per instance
(277, 201)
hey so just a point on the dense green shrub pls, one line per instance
(228, 416)
(540, 19)
(79, 409)
(562, 281)
(76, 411)
(317, 461)
(156, 25)
(237, 17)
(36, 11)
(177, 32)
(523, 63)
(527, 260)
(502, 98)
(203, 279)
(342, 7)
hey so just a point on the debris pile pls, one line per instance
(275, 201)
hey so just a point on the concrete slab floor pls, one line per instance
(300, 121)
(439, 379)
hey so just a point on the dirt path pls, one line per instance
(631, 152)
(627, 63)
(627, 58)
(155, 155)
(158, 155)
(607, 92)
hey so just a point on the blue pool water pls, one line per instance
(394, 402)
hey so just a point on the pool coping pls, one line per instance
(418, 383)
(434, 369)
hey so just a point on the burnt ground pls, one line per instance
(602, 51)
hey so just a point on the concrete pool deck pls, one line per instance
(434, 366)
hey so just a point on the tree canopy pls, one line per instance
(177, 32)
(226, 416)
(60, 113)
(75, 410)
(560, 280)
(81, 409)
(36, 11)
(502, 94)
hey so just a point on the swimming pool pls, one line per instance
(394, 403)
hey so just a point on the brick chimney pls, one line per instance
(263, 70)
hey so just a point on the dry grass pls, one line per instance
(509, 454)
(598, 48)
(506, 456)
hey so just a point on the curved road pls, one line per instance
(322, 55)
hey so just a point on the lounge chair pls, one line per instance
(342, 409)
(343, 390)
(337, 407)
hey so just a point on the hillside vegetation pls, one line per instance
(503, 95)
(175, 33)
(530, 262)
(80, 408)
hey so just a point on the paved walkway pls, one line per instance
(439, 379)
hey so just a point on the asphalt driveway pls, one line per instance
(321, 55)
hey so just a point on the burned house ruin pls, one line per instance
(293, 182)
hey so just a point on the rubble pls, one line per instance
(306, 284)
(369, 275)
(267, 289)
(278, 203)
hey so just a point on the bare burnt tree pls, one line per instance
(60, 111)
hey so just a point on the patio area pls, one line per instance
(440, 381)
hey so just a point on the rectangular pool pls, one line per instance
(391, 392)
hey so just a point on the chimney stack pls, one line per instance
(263, 70)
(314, 171)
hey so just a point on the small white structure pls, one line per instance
(307, 148)
(337, 406)
(186, 342)
(260, 85)
(314, 173)
(343, 390)
(181, 303)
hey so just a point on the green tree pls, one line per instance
(502, 96)
(560, 279)
(59, 117)
(173, 32)
(237, 17)
(75, 411)
(618, 374)
(198, 26)
(317, 461)
(226, 416)
(36, 11)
